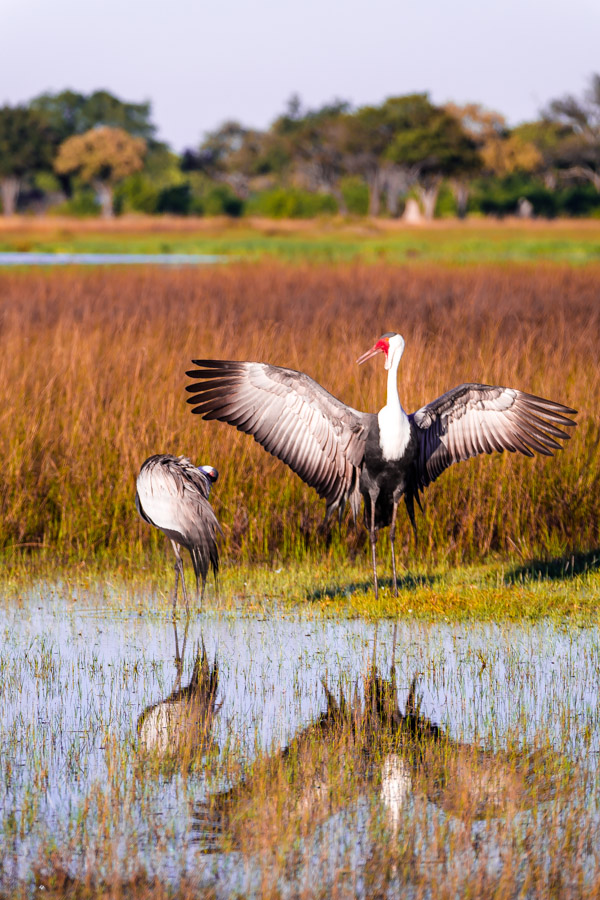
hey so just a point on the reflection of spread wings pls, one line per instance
(398, 753)
(479, 418)
(291, 416)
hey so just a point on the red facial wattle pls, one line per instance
(382, 346)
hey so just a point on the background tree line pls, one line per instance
(85, 154)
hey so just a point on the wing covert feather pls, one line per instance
(292, 417)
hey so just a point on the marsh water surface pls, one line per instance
(93, 770)
(34, 258)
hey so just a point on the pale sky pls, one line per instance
(200, 63)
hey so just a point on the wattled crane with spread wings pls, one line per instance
(344, 453)
(172, 494)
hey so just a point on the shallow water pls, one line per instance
(75, 680)
(109, 259)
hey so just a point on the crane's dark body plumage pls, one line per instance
(386, 480)
(344, 453)
(173, 496)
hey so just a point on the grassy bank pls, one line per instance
(92, 382)
(474, 241)
(559, 589)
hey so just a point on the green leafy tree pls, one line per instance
(220, 147)
(102, 157)
(368, 134)
(549, 140)
(404, 143)
(579, 151)
(236, 156)
(429, 145)
(502, 152)
(27, 145)
(315, 142)
(70, 112)
(160, 187)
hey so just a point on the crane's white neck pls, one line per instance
(394, 427)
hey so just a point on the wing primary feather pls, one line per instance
(478, 418)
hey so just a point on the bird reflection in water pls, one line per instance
(370, 748)
(467, 781)
(179, 727)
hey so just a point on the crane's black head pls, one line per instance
(210, 471)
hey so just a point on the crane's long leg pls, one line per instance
(178, 658)
(393, 695)
(392, 542)
(373, 535)
(178, 573)
(375, 643)
(185, 634)
(177, 561)
(185, 595)
(412, 701)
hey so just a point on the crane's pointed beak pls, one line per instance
(375, 349)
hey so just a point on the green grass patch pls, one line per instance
(507, 590)
(334, 242)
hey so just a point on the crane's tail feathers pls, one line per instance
(338, 505)
(205, 557)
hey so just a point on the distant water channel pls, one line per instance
(110, 259)
(83, 685)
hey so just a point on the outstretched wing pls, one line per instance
(292, 417)
(479, 418)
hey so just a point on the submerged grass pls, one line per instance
(303, 765)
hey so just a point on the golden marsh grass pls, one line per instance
(92, 376)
